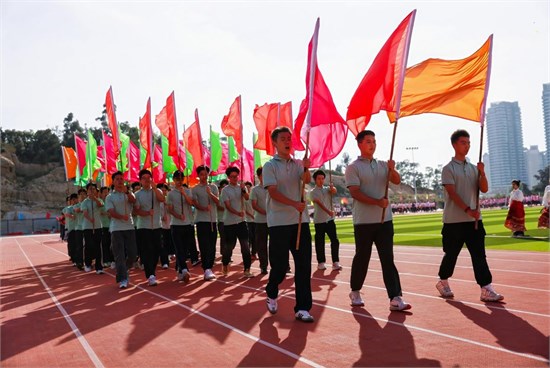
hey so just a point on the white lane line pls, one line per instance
(221, 323)
(91, 353)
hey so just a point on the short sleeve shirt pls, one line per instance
(203, 199)
(286, 175)
(322, 195)
(178, 203)
(145, 200)
(371, 177)
(464, 176)
(233, 194)
(259, 194)
(70, 223)
(119, 202)
(105, 219)
(94, 211)
(220, 211)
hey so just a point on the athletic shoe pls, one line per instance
(87, 269)
(123, 284)
(444, 289)
(272, 305)
(336, 266)
(165, 266)
(321, 266)
(99, 272)
(225, 270)
(356, 300)
(152, 280)
(180, 276)
(398, 304)
(488, 294)
(185, 276)
(113, 265)
(209, 275)
(248, 274)
(304, 316)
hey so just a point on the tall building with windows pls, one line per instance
(534, 160)
(546, 116)
(505, 143)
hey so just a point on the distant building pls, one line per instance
(546, 117)
(534, 160)
(505, 141)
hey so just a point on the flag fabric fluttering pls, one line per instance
(80, 149)
(232, 125)
(448, 87)
(326, 127)
(192, 139)
(167, 124)
(69, 162)
(92, 163)
(168, 164)
(216, 152)
(111, 120)
(381, 87)
(146, 137)
(266, 118)
(109, 157)
(233, 155)
(159, 176)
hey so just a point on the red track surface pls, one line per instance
(56, 316)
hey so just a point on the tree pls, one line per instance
(70, 127)
(40, 147)
(544, 179)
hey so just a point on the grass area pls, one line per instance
(425, 230)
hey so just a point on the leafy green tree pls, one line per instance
(543, 178)
(70, 126)
(39, 147)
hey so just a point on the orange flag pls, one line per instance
(232, 125)
(448, 87)
(192, 139)
(69, 161)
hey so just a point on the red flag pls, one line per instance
(266, 118)
(146, 136)
(328, 130)
(100, 158)
(80, 149)
(110, 158)
(166, 122)
(133, 163)
(381, 87)
(192, 140)
(232, 124)
(111, 120)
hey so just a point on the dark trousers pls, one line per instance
(62, 231)
(252, 237)
(382, 236)
(454, 237)
(207, 234)
(106, 245)
(192, 251)
(71, 245)
(79, 247)
(328, 228)
(167, 247)
(232, 232)
(282, 239)
(183, 237)
(261, 244)
(92, 248)
(221, 231)
(149, 242)
(123, 244)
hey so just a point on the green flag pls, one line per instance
(142, 156)
(125, 147)
(168, 164)
(215, 150)
(233, 154)
(92, 163)
(189, 163)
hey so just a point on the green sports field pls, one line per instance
(425, 230)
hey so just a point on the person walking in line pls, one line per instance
(167, 245)
(220, 209)
(283, 178)
(92, 228)
(462, 221)
(323, 218)
(257, 198)
(366, 179)
(106, 253)
(119, 204)
(515, 219)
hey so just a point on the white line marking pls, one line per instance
(91, 353)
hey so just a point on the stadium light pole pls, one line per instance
(412, 149)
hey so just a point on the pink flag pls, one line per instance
(133, 163)
(159, 176)
(111, 120)
(146, 136)
(110, 157)
(80, 149)
(327, 129)
(381, 87)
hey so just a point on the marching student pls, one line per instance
(79, 233)
(167, 248)
(249, 218)
(107, 254)
(70, 226)
(258, 198)
(92, 228)
(220, 209)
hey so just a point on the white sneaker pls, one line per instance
(336, 266)
(113, 265)
(321, 266)
(248, 274)
(152, 280)
(398, 304)
(123, 284)
(272, 305)
(184, 276)
(87, 269)
(444, 289)
(356, 300)
(165, 266)
(304, 316)
(209, 275)
(100, 272)
(488, 294)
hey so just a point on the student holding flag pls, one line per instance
(92, 228)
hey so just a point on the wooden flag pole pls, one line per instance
(479, 175)
(330, 184)
(388, 178)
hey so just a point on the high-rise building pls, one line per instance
(534, 159)
(546, 116)
(505, 142)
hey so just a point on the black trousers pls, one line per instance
(150, 243)
(79, 247)
(261, 244)
(454, 237)
(328, 228)
(123, 244)
(282, 239)
(106, 245)
(71, 245)
(92, 248)
(382, 236)
(221, 230)
(252, 237)
(183, 237)
(167, 247)
(207, 235)
(232, 232)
